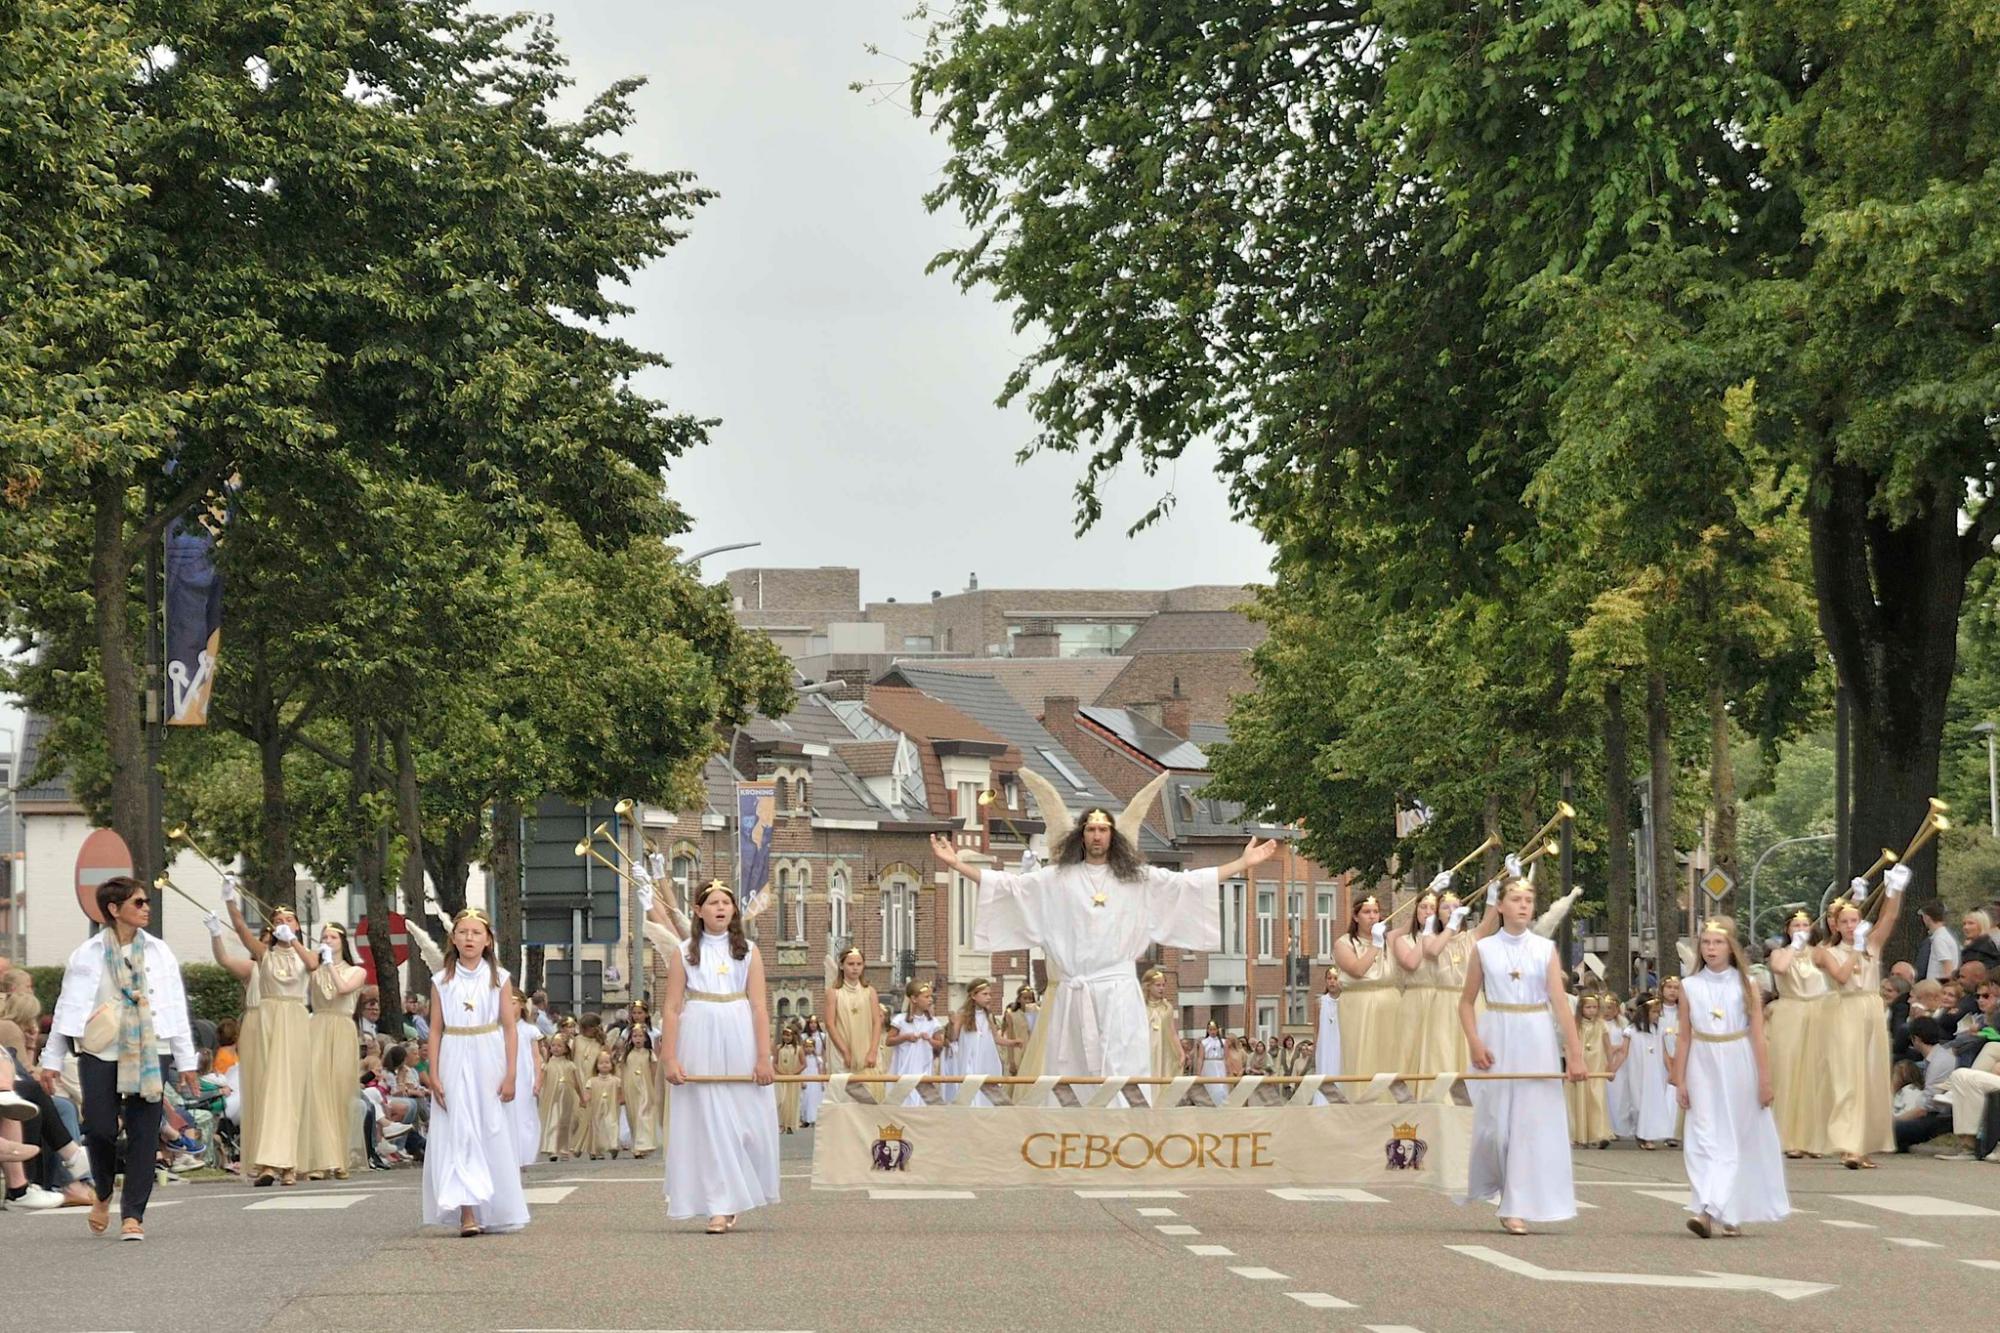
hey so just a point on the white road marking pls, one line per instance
(1991, 1265)
(287, 1203)
(1260, 1274)
(1846, 1225)
(1158, 1212)
(1319, 1300)
(1130, 1194)
(653, 1179)
(1211, 1251)
(547, 1193)
(1912, 1243)
(1783, 1288)
(1919, 1205)
(1679, 1198)
(1326, 1196)
(115, 1213)
(1391, 1328)
(1177, 1230)
(921, 1194)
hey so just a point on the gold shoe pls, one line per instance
(100, 1217)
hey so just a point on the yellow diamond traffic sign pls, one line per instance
(1716, 885)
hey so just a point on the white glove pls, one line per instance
(1431, 926)
(656, 866)
(1857, 888)
(1799, 938)
(325, 954)
(1514, 870)
(1861, 936)
(284, 934)
(645, 894)
(1895, 879)
(1441, 881)
(230, 895)
(213, 922)
(1378, 933)
(1492, 893)
(1458, 916)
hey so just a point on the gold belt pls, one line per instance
(1721, 1036)
(281, 999)
(479, 1031)
(1367, 985)
(718, 997)
(1541, 1008)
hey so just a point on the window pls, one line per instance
(784, 1009)
(797, 920)
(967, 893)
(685, 866)
(836, 903)
(1324, 913)
(802, 796)
(786, 896)
(968, 800)
(1267, 911)
(1295, 931)
(899, 918)
(1231, 907)
(1062, 768)
(1082, 638)
(783, 792)
(919, 643)
(1267, 1018)
(1296, 1004)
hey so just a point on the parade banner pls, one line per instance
(756, 823)
(193, 609)
(860, 1146)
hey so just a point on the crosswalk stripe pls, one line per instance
(1319, 1300)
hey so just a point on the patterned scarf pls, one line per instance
(138, 1049)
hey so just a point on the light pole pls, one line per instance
(1987, 729)
(1782, 842)
(700, 556)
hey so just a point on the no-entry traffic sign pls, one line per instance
(103, 856)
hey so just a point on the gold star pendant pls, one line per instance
(1515, 975)
(1716, 1014)
(1098, 900)
(467, 1004)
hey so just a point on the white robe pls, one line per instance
(1618, 1097)
(1654, 1113)
(1735, 1165)
(473, 1158)
(811, 1094)
(913, 1057)
(722, 1138)
(978, 1053)
(1098, 1012)
(1326, 1046)
(1520, 1129)
(1215, 1064)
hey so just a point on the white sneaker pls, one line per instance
(37, 1197)
(13, 1106)
(187, 1161)
(395, 1129)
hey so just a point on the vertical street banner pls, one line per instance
(193, 605)
(756, 822)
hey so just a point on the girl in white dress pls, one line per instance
(1326, 1046)
(1624, 1114)
(1670, 1035)
(915, 1036)
(472, 1166)
(1653, 1107)
(1735, 1164)
(1215, 1063)
(810, 1094)
(526, 1105)
(1520, 1128)
(722, 1138)
(972, 1027)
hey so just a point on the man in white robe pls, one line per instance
(1094, 911)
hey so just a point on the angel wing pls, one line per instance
(1133, 817)
(426, 946)
(1551, 921)
(1055, 815)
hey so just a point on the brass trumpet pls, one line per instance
(588, 847)
(1564, 811)
(1934, 822)
(1491, 844)
(165, 882)
(603, 831)
(179, 833)
(992, 797)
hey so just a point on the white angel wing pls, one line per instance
(1551, 921)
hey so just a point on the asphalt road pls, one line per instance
(1864, 1250)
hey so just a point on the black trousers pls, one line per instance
(46, 1131)
(103, 1111)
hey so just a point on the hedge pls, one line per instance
(212, 993)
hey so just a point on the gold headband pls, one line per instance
(917, 992)
(1801, 915)
(1369, 901)
(336, 929)
(1719, 925)
(1152, 972)
(1099, 819)
(475, 913)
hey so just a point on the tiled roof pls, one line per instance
(53, 787)
(1149, 738)
(1195, 631)
(869, 759)
(1193, 815)
(1206, 734)
(1030, 680)
(926, 720)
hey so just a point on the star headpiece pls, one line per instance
(1099, 819)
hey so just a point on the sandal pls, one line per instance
(1732, 1233)
(1868, 1164)
(1699, 1225)
(100, 1217)
(1850, 1161)
(729, 1223)
(1513, 1226)
(469, 1230)
(266, 1178)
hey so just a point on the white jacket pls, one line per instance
(83, 976)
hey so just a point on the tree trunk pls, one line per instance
(1618, 898)
(279, 880)
(368, 861)
(450, 864)
(1722, 795)
(506, 875)
(124, 723)
(1668, 893)
(1889, 599)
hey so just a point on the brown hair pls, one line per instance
(967, 1022)
(1121, 856)
(739, 946)
(489, 953)
(113, 892)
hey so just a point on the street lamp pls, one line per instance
(700, 556)
(1987, 729)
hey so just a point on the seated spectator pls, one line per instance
(1907, 1080)
(54, 1175)
(227, 1032)
(1971, 1092)
(368, 1010)
(1979, 945)
(1933, 1117)
(1970, 976)
(18, 1004)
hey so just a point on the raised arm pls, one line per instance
(237, 966)
(1255, 853)
(234, 905)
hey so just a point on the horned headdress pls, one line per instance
(1056, 817)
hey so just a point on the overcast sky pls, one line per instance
(855, 392)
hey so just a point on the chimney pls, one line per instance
(853, 682)
(972, 584)
(1038, 638)
(1059, 715)
(1174, 715)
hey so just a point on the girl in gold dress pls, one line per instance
(601, 1097)
(639, 1078)
(1854, 1049)
(790, 1059)
(854, 1018)
(1444, 1039)
(589, 1040)
(1017, 1026)
(335, 1059)
(284, 971)
(1169, 1051)
(1370, 1035)
(1414, 965)
(1799, 1095)
(1589, 1108)
(561, 1102)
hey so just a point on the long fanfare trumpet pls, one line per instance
(604, 831)
(1492, 844)
(165, 882)
(1564, 811)
(179, 833)
(588, 847)
(1548, 848)
(1933, 823)
(992, 797)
